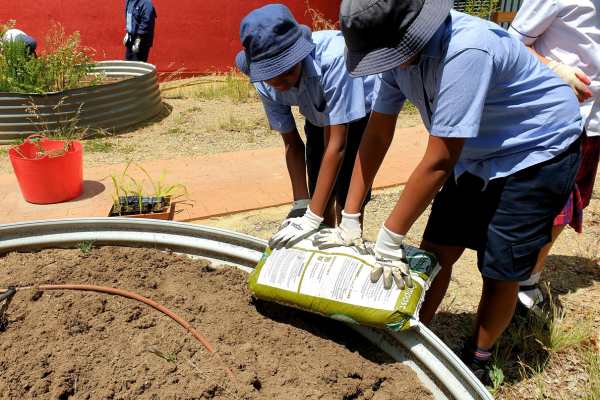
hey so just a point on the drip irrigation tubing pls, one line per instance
(134, 296)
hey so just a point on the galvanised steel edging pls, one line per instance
(112, 107)
(438, 368)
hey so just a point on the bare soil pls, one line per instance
(74, 344)
(106, 80)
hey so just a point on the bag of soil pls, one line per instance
(336, 283)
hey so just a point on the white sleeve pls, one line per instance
(533, 18)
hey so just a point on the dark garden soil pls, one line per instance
(88, 345)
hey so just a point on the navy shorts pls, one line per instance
(315, 148)
(510, 221)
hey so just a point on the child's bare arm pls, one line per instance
(296, 163)
(374, 145)
(437, 164)
(335, 146)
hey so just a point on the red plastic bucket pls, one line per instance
(48, 180)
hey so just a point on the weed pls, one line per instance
(236, 87)
(160, 353)
(125, 149)
(175, 130)
(61, 66)
(18, 141)
(234, 124)
(96, 146)
(409, 108)
(319, 23)
(193, 109)
(86, 245)
(3, 151)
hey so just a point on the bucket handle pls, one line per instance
(43, 137)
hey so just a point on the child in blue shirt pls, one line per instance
(504, 149)
(291, 66)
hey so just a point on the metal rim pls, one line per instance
(112, 107)
(438, 368)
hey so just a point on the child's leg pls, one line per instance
(329, 215)
(496, 307)
(447, 256)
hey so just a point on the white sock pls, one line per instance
(529, 298)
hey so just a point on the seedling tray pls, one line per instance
(148, 204)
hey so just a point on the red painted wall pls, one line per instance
(198, 35)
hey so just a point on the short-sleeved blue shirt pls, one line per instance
(327, 94)
(476, 81)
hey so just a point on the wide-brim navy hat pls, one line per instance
(273, 42)
(384, 34)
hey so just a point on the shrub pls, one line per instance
(60, 67)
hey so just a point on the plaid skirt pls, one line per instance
(580, 198)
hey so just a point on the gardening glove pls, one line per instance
(574, 77)
(348, 233)
(298, 208)
(125, 39)
(136, 45)
(294, 230)
(390, 260)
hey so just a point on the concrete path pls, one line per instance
(221, 183)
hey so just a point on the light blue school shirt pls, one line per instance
(327, 94)
(474, 80)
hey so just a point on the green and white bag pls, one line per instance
(336, 283)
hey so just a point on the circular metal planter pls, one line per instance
(438, 368)
(112, 107)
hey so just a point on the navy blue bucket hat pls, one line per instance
(30, 42)
(384, 34)
(273, 42)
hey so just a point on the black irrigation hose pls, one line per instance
(10, 292)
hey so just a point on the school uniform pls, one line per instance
(522, 127)
(326, 96)
(569, 32)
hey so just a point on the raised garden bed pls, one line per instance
(62, 344)
(113, 106)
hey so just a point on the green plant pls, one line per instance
(236, 87)
(61, 66)
(96, 146)
(139, 192)
(86, 245)
(161, 190)
(160, 353)
(119, 185)
(234, 124)
(481, 8)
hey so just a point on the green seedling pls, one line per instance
(140, 191)
(161, 190)
(86, 245)
(160, 353)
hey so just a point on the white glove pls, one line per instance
(574, 77)
(391, 260)
(125, 39)
(348, 233)
(136, 45)
(294, 230)
(298, 208)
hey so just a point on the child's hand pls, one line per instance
(391, 260)
(574, 77)
(349, 233)
(294, 230)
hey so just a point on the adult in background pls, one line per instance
(566, 37)
(139, 36)
(16, 34)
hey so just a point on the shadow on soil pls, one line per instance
(91, 189)
(324, 328)
(567, 274)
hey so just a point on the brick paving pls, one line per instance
(222, 184)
